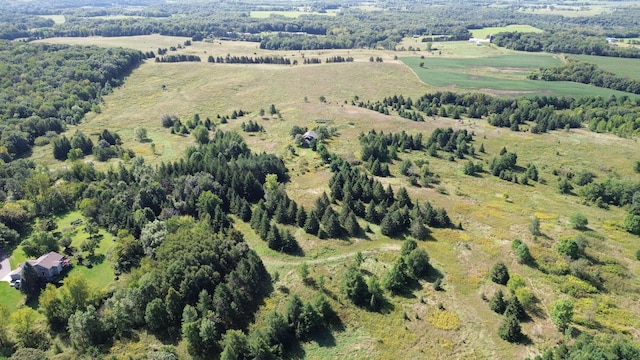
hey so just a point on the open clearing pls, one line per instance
(493, 212)
(289, 14)
(485, 32)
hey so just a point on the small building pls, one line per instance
(309, 136)
(46, 266)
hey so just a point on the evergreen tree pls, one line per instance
(274, 239)
(301, 217)
(375, 292)
(312, 224)
(61, 147)
(351, 225)
(395, 280)
(514, 308)
(510, 330)
(497, 303)
(418, 263)
(402, 198)
(418, 230)
(331, 224)
(30, 282)
(354, 287)
(499, 273)
(370, 213)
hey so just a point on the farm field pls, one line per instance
(502, 74)
(619, 66)
(424, 323)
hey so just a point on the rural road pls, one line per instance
(5, 266)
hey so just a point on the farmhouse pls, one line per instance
(47, 266)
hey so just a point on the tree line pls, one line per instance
(172, 58)
(539, 113)
(570, 42)
(278, 60)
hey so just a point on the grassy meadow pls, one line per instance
(492, 212)
(569, 11)
(485, 32)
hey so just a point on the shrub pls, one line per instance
(516, 281)
(526, 298)
(569, 248)
(578, 221)
(562, 313)
(534, 227)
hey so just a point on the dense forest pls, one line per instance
(45, 87)
(317, 31)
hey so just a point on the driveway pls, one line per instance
(5, 266)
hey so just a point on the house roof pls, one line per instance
(310, 135)
(48, 260)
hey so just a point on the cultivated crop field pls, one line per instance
(425, 323)
(498, 74)
(619, 66)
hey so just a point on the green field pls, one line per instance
(485, 32)
(619, 66)
(569, 11)
(504, 74)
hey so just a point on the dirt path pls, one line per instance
(297, 261)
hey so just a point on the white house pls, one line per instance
(46, 266)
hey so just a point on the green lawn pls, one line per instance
(100, 275)
(9, 296)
